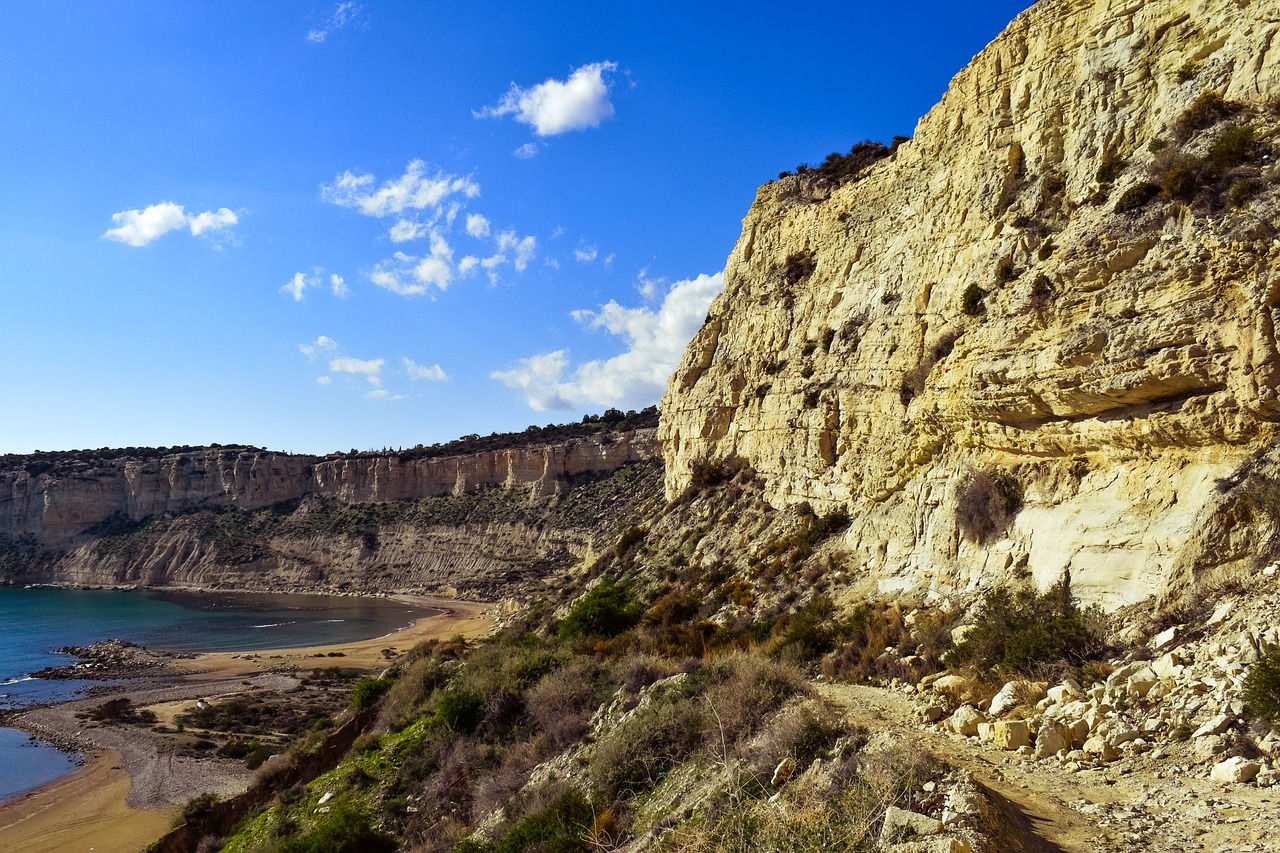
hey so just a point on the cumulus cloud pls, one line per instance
(343, 15)
(406, 230)
(477, 225)
(633, 379)
(321, 347)
(414, 190)
(368, 367)
(140, 227)
(527, 151)
(558, 106)
(302, 282)
(538, 377)
(412, 275)
(431, 373)
(585, 254)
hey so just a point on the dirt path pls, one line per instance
(1130, 805)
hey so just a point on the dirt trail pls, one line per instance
(1129, 805)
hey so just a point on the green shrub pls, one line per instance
(1137, 196)
(630, 538)
(1206, 111)
(345, 828)
(369, 690)
(1233, 147)
(1112, 166)
(458, 710)
(799, 266)
(1181, 179)
(1027, 633)
(971, 303)
(605, 611)
(561, 827)
(986, 502)
(1262, 688)
(843, 168)
(1243, 190)
(640, 752)
(1042, 292)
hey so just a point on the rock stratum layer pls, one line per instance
(481, 523)
(976, 303)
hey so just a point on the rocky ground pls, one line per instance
(1157, 757)
(109, 660)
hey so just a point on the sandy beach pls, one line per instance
(131, 789)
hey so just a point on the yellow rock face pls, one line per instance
(1114, 364)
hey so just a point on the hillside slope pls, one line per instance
(1066, 282)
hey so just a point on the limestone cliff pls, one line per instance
(1067, 279)
(484, 523)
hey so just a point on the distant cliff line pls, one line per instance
(55, 501)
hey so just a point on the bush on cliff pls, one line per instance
(1022, 632)
(605, 611)
(1262, 688)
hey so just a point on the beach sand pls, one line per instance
(124, 797)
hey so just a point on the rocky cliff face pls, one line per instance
(1066, 281)
(480, 524)
(69, 503)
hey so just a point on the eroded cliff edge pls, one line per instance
(1025, 289)
(490, 522)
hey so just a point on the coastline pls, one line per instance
(129, 791)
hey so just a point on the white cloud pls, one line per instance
(585, 254)
(527, 151)
(655, 341)
(370, 367)
(648, 287)
(295, 286)
(414, 190)
(468, 264)
(410, 275)
(432, 373)
(302, 282)
(321, 347)
(538, 378)
(384, 394)
(434, 271)
(343, 14)
(324, 380)
(140, 227)
(525, 251)
(211, 221)
(477, 225)
(406, 230)
(554, 106)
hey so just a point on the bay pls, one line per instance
(34, 622)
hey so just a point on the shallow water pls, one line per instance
(34, 622)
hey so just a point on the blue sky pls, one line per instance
(318, 226)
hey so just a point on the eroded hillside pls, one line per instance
(484, 518)
(1062, 289)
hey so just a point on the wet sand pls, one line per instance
(130, 791)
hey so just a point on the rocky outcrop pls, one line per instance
(482, 525)
(977, 302)
(83, 498)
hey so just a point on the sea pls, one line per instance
(34, 622)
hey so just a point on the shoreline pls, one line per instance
(129, 790)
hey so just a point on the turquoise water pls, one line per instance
(34, 622)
